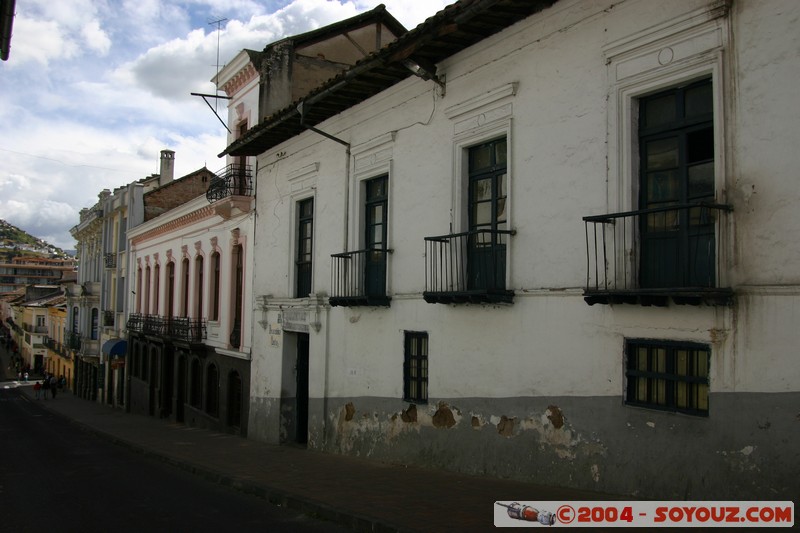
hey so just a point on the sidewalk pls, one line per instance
(363, 494)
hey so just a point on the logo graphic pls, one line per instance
(528, 513)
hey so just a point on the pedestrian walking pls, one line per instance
(37, 389)
(53, 386)
(45, 386)
(26, 376)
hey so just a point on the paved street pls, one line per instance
(362, 495)
(58, 477)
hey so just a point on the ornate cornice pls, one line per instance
(240, 79)
(176, 224)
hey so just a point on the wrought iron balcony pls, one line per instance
(648, 256)
(359, 278)
(111, 260)
(467, 267)
(186, 329)
(108, 319)
(135, 322)
(233, 180)
(236, 334)
(73, 340)
(176, 328)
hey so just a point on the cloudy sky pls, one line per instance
(94, 89)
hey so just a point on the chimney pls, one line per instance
(167, 167)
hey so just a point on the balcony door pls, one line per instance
(376, 204)
(488, 189)
(676, 140)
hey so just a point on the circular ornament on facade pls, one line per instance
(665, 56)
(481, 119)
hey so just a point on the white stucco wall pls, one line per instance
(168, 233)
(560, 86)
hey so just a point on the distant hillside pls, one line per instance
(15, 242)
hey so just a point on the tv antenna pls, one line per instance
(216, 96)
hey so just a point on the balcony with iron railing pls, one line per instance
(72, 340)
(468, 267)
(359, 278)
(650, 256)
(110, 260)
(109, 319)
(233, 180)
(56, 347)
(192, 330)
(34, 329)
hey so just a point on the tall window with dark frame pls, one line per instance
(147, 289)
(376, 203)
(415, 367)
(488, 191)
(305, 245)
(156, 287)
(198, 288)
(170, 289)
(95, 324)
(240, 185)
(238, 295)
(669, 376)
(139, 290)
(215, 266)
(185, 287)
(676, 146)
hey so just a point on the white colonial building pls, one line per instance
(561, 253)
(189, 330)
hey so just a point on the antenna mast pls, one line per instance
(218, 22)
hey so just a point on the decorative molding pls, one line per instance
(474, 104)
(303, 172)
(386, 138)
(176, 224)
(240, 79)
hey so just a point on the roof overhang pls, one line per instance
(450, 31)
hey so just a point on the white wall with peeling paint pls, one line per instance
(559, 86)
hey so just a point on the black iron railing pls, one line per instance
(108, 319)
(110, 260)
(467, 267)
(666, 250)
(359, 278)
(135, 322)
(179, 328)
(233, 180)
(186, 329)
(72, 340)
(236, 334)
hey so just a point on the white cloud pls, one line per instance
(40, 41)
(95, 89)
(96, 39)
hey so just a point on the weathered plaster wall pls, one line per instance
(591, 443)
(550, 364)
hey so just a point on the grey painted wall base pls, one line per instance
(746, 449)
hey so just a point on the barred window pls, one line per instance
(666, 375)
(415, 369)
